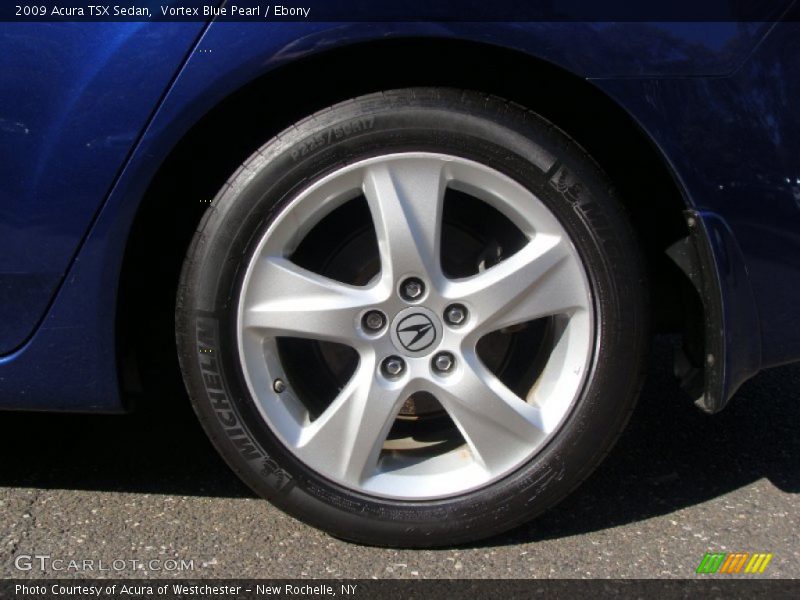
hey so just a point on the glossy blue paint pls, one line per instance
(716, 99)
(74, 98)
(735, 144)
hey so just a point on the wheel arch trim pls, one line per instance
(711, 259)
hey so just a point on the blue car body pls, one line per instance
(90, 113)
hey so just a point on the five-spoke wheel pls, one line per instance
(414, 329)
(416, 318)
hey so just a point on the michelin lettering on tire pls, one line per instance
(225, 412)
(207, 357)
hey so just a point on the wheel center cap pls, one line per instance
(416, 331)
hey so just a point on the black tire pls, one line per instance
(485, 129)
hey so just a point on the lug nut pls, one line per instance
(278, 386)
(412, 288)
(455, 314)
(443, 362)
(393, 366)
(373, 320)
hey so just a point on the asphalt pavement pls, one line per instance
(145, 495)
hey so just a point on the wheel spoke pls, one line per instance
(497, 424)
(405, 200)
(347, 438)
(291, 301)
(538, 281)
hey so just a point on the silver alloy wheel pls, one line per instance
(347, 442)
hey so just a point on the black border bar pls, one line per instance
(397, 11)
(401, 589)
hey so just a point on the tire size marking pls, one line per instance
(332, 134)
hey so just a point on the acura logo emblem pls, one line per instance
(416, 332)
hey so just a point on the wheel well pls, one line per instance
(215, 147)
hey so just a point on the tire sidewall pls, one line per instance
(480, 128)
